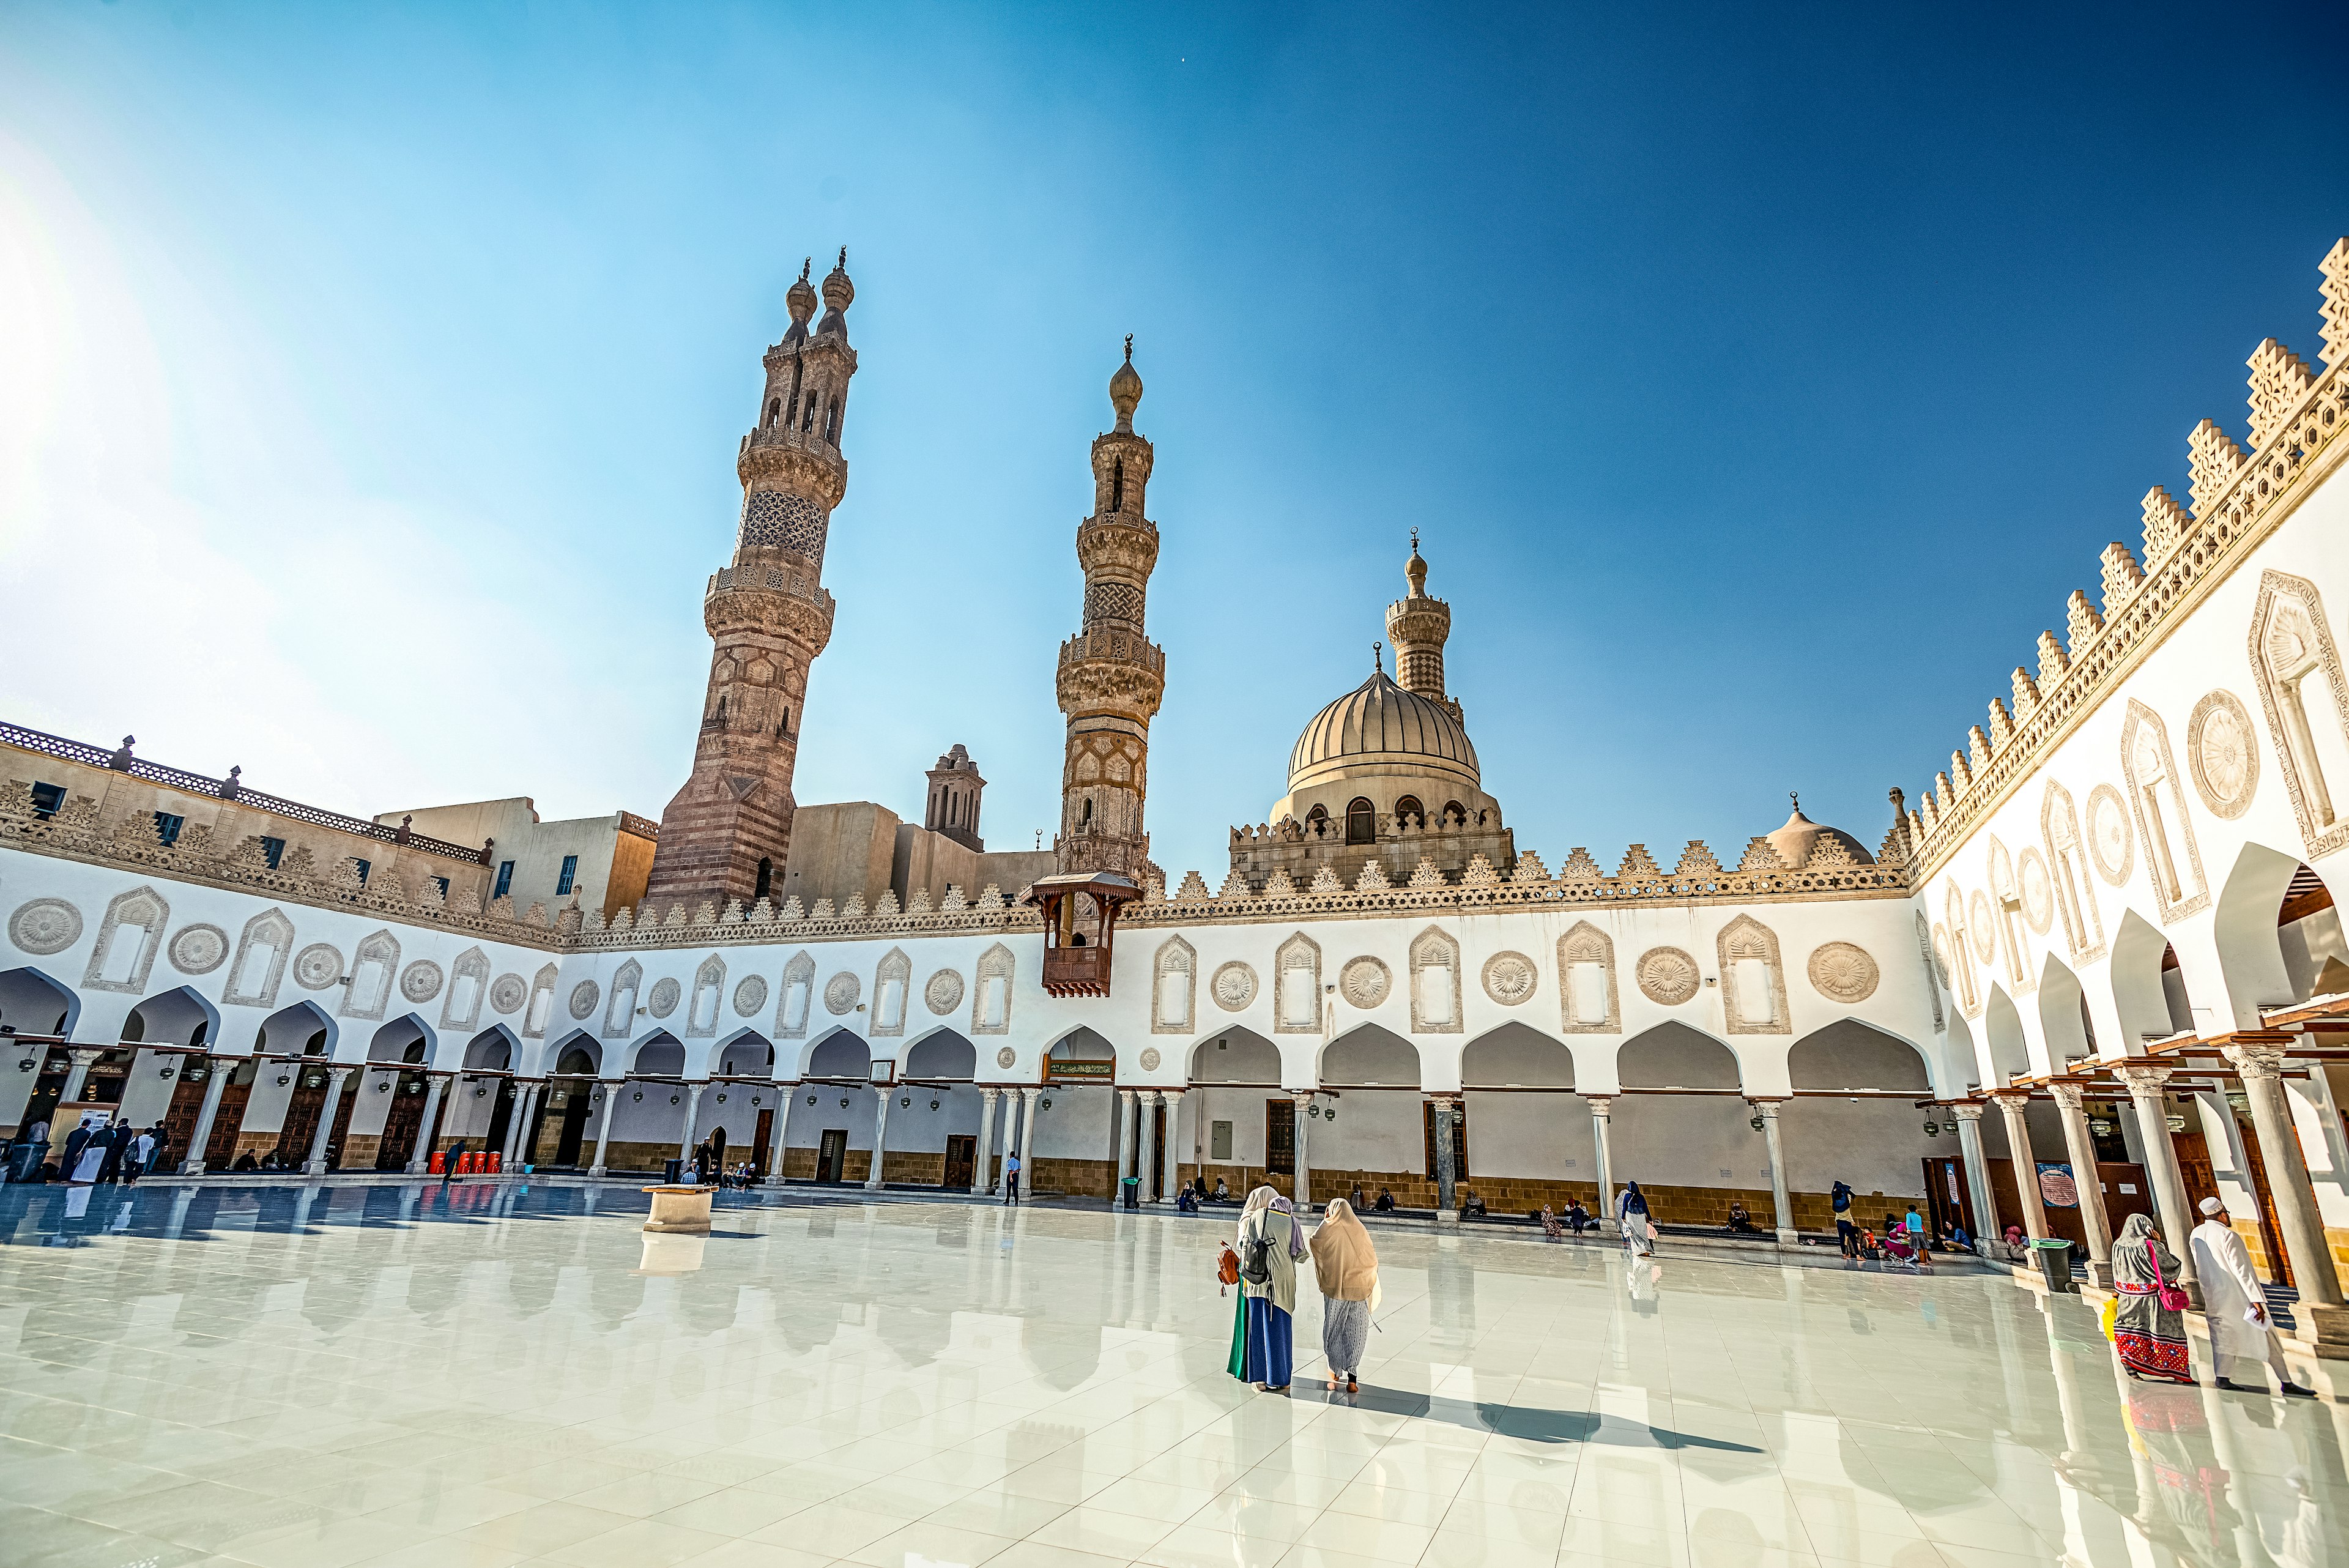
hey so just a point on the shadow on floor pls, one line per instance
(1511, 1421)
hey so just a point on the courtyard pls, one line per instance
(324, 1375)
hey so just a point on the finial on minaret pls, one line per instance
(1126, 389)
(1415, 569)
(844, 258)
(1379, 657)
(1129, 348)
(806, 264)
(1796, 800)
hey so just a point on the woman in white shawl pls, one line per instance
(1632, 1216)
(1347, 1267)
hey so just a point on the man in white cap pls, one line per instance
(2235, 1302)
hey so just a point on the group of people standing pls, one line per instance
(2149, 1310)
(108, 1150)
(1271, 1243)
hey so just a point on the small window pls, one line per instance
(1317, 821)
(1361, 822)
(570, 873)
(1455, 814)
(774, 410)
(365, 867)
(766, 878)
(1117, 485)
(167, 826)
(807, 415)
(47, 799)
(831, 422)
(1408, 809)
(505, 878)
(442, 883)
(272, 850)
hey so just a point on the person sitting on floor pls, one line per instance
(1577, 1218)
(1186, 1200)
(1472, 1207)
(1741, 1223)
(245, 1162)
(1354, 1199)
(1385, 1205)
(1223, 1193)
(1551, 1229)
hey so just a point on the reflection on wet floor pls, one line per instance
(498, 1372)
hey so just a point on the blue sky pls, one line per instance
(1760, 383)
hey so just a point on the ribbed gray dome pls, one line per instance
(1379, 721)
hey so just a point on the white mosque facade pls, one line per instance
(2105, 937)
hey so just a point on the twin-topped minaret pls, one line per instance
(726, 834)
(1110, 676)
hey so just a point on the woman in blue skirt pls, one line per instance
(1271, 1247)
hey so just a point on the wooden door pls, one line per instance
(2271, 1236)
(228, 1121)
(301, 1120)
(576, 1107)
(833, 1155)
(46, 1092)
(1281, 1136)
(2194, 1169)
(402, 1121)
(1459, 1139)
(1156, 1178)
(339, 1134)
(962, 1161)
(179, 1121)
(1948, 1198)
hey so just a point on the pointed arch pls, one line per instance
(469, 982)
(2063, 1014)
(1435, 996)
(2139, 992)
(1676, 1055)
(990, 998)
(180, 1016)
(744, 1054)
(893, 980)
(373, 964)
(1370, 1056)
(707, 1003)
(302, 1029)
(405, 1039)
(1236, 1056)
(2173, 861)
(943, 1056)
(262, 949)
(1752, 981)
(34, 1001)
(1516, 1056)
(127, 939)
(493, 1050)
(1851, 1054)
(2068, 873)
(1586, 997)
(659, 1055)
(620, 1009)
(842, 1053)
(1297, 986)
(2306, 705)
(577, 1054)
(542, 1002)
(2010, 1053)
(797, 998)
(2243, 928)
(1173, 988)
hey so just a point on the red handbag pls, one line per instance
(2172, 1298)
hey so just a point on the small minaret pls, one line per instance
(1417, 627)
(1111, 676)
(955, 788)
(727, 833)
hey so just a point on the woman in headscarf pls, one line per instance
(1631, 1217)
(1266, 1349)
(2150, 1336)
(1346, 1266)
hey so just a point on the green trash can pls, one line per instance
(2052, 1254)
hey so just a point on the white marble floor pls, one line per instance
(313, 1378)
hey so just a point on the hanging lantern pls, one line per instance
(1932, 1130)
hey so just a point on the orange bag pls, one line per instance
(1227, 1269)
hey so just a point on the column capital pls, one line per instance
(1302, 1095)
(2254, 1060)
(1768, 1108)
(2068, 1096)
(1157, 1096)
(1600, 1104)
(1127, 1094)
(2010, 1094)
(2144, 1078)
(1968, 1112)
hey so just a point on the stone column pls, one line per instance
(984, 1175)
(76, 1077)
(880, 1096)
(1171, 1156)
(2321, 1320)
(2026, 1169)
(604, 1123)
(1301, 1181)
(2161, 1172)
(518, 1126)
(1445, 1175)
(1781, 1204)
(336, 1077)
(1027, 1098)
(2081, 1145)
(1969, 1146)
(692, 1111)
(1147, 1141)
(782, 1128)
(1125, 1141)
(215, 1084)
(419, 1157)
(1604, 1209)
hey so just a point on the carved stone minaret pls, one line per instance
(1417, 627)
(955, 789)
(726, 834)
(1111, 676)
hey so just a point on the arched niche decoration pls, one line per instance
(1961, 955)
(542, 1002)
(1435, 999)
(1296, 986)
(797, 997)
(2157, 798)
(1932, 974)
(127, 939)
(373, 964)
(2303, 695)
(469, 980)
(620, 1009)
(2009, 918)
(990, 1000)
(892, 980)
(708, 1004)
(1175, 988)
(1588, 1001)
(1752, 981)
(2070, 876)
(262, 949)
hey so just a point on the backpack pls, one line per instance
(1256, 1262)
(1227, 1269)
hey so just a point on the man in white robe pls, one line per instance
(2235, 1304)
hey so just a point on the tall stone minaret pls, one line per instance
(1111, 676)
(1417, 627)
(726, 834)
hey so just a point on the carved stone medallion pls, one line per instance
(317, 967)
(2111, 842)
(1940, 961)
(198, 950)
(2038, 893)
(1364, 981)
(508, 992)
(662, 999)
(46, 926)
(1667, 976)
(1980, 927)
(840, 993)
(584, 997)
(1150, 1058)
(1843, 972)
(751, 995)
(1233, 986)
(1509, 978)
(420, 982)
(943, 994)
(2222, 754)
(1005, 1057)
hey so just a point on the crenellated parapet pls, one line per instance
(2237, 498)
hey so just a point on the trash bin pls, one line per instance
(2052, 1254)
(673, 1173)
(1132, 1185)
